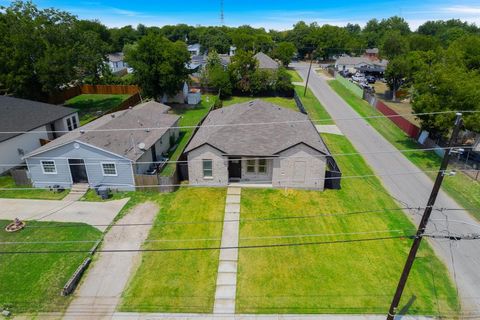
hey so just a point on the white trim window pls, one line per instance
(109, 169)
(72, 123)
(257, 166)
(207, 168)
(49, 167)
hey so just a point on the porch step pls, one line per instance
(77, 192)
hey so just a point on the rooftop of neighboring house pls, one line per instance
(265, 62)
(116, 57)
(110, 132)
(19, 115)
(270, 130)
(372, 51)
(194, 47)
(348, 60)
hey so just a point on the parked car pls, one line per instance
(371, 79)
(358, 78)
(345, 73)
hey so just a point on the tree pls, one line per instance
(285, 51)
(395, 73)
(283, 81)
(214, 75)
(394, 44)
(122, 36)
(42, 51)
(243, 66)
(214, 39)
(159, 65)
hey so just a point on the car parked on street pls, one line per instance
(371, 79)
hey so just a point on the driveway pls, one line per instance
(100, 214)
(99, 294)
(413, 189)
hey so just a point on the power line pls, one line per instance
(283, 183)
(242, 159)
(282, 245)
(239, 124)
(293, 236)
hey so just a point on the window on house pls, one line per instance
(207, 168)
(49, 167)
(251, 166)
(262, 166)
(69, 124)
(74, 122)
(109, 169)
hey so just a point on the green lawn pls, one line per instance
(91, 106)
(32, 282)
(460, 187)
(313, 106)
(281, 101)
(295, 76)
(190, 117)
(180, 281)
(6, 182)
(358, 277)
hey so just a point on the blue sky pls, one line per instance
(271, 14)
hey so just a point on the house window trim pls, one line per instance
(54, 165)
(256, 167)
(106, 174)
(264, 166)
(207, 177)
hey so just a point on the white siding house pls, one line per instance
(26, 124)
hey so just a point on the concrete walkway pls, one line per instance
(92, 213)
(226, 290)
(101, 290)
(332, 129)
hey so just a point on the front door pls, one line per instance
(78, 170)
(234, 169)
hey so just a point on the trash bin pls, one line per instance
(104, 193)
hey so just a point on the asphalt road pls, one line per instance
(412, 189)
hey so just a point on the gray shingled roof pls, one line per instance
(123, 143)
(25, 115)
(221, 130)
(116, 57)
(265, 62)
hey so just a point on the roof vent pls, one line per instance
(113, 115)
(82, 131)
(141, 146)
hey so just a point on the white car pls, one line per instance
(359, 78)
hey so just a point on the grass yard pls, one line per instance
(358, 277)
(313, 106)
(460, 187)
(179, 281)
(295, 76)
(91, 106)
(6, 182)
(190, 117)
(288, 103)
(31, 283)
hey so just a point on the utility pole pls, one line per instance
(308, 76)
(423, 223)
(222, 13)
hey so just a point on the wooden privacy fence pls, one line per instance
(20, 176)
(406, 126)
(157, 183)
(69, 93)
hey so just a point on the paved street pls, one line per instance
(412, 189)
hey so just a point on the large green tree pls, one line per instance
(159, 64)
(242, 69)
(284, 51)
(43, 51)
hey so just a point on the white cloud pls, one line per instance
(466, 10)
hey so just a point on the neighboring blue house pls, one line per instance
(106, 152)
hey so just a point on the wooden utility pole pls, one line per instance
(308, 76)
(423, 223)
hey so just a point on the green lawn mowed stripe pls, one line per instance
(295, 76)
(91, 106)
(180, 281)
(352, 277)
(32, 282)
(313, 107)
(460, 187)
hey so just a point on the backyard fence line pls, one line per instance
(67, 94)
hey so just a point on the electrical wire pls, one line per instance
(281, 245)
(239, 124)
